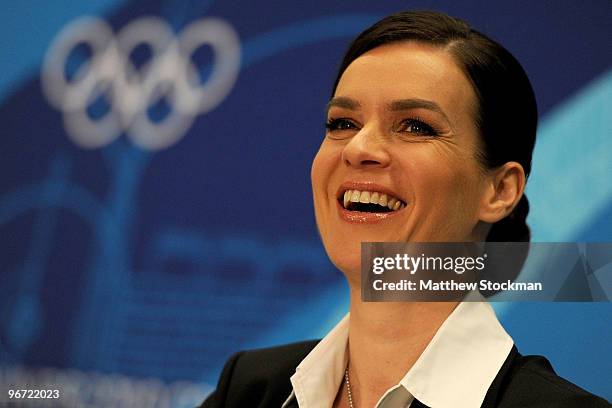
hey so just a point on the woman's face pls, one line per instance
(400, 127)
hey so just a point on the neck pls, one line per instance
(386, 339)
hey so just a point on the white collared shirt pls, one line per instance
(455, 369)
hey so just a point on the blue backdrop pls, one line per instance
(155, 205)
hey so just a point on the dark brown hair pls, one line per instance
(506, 115)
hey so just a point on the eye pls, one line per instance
(339, 124)
(418, 127)
(340, 129)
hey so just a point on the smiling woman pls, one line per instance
(400, 133)
(429, 135)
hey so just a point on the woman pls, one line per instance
(430, 132)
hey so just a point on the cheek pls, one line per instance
(446, 186)
(322, 168)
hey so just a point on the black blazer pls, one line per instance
(260, 378)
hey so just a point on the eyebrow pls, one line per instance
(405, 104)
(342, 102)
(395, 106)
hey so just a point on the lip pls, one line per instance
(359, 217)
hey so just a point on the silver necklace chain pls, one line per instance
(348, 387)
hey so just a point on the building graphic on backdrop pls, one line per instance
(142, 322)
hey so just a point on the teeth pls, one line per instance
(365, 197)
(383, 200)
(373, 197)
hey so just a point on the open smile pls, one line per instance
(367, 202)
(370, 201)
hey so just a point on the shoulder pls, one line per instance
(530, 381)
(259, 377)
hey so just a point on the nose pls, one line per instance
(366, 149)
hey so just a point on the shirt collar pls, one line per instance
(458, 366)
(318, 377)
(455, 369)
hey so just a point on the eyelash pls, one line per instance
(333, 125)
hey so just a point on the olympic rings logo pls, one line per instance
(129, 91)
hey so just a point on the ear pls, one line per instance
(504, 188)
